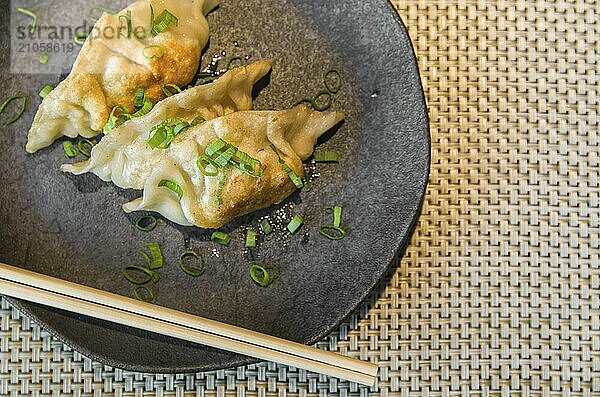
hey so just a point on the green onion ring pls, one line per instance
(83, 144)
(315, 103)
(327, 156)
(80, 38)
(221, 238)
(327, 231)
(150, 275)
(21, 111)
(45, 91)
(161, 51)
(69, 149)
(326, 78)
(260, 275)
(157, 260)
(32, 15)
(266, 226)
(251, 238)
(146, 223)
(205, 159)
(174, 187)
(337, 214)
(186, 268)
(143, 293)
(234, 59)
(44, 59)
(295, 224)
(167, 89)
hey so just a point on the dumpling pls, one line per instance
(115, 159)
(272, 144)
(121, 55)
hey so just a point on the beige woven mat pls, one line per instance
(499, 292)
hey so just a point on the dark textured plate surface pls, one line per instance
(73, 227)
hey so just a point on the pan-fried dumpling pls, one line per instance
(113, 158)
(269, 146)
(111, 66)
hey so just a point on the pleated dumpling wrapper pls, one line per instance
(121, 55)
(116, 159)
(226, 167)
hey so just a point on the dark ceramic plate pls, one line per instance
(73, 227)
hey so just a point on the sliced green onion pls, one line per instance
(215, 147)
(146, 223)
(23, 98)
(206, 80)
(260, 275)
(332, 232)
(157, 260)
(165, 132)
(153, 51)
(172, 186)
(114, 121)
(293, 176)
(206, 160)
(266, 226)
(221, 238)
(335, 86)
(32, 15)
(337, 215)
(85, 146)
(235, 59)
(145, 256)
(324, 106)
(146, 107)
(45, 91)
(295, 224)
(90, 12)
(167, 89)
(222, 182)
(138, 98)
(44, 59)
(69, 149)
(143, 293)
(162, 22)
(197, 120)
(327, 156)
(190, 270)
(147, 275)
(251, 238)
(247, 164)
(224, 157)
(80, 38)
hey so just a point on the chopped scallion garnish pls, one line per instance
(260, 275)
(30, 14)
(293, 176)
(221, 238)
(146, 223)
(332, 232)
(184, 264)
(44, 59)
(143, 293)
(23, 99)
(295, 224)
(251, 238)
(45, 91)
(167, 89)
(333, 81)
(220, 187)
(172, 186)
(162, 134)
(162, 22)
(146, 274)
(85, 146)
(327, 156)
(336, 210)
(266, 226)
(156, 256)
(80, 38)
(69, 149)
(203, 163)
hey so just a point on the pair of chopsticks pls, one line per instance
(76, 298)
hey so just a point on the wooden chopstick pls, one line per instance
(72, 297)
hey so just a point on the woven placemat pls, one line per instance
(499, 291)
